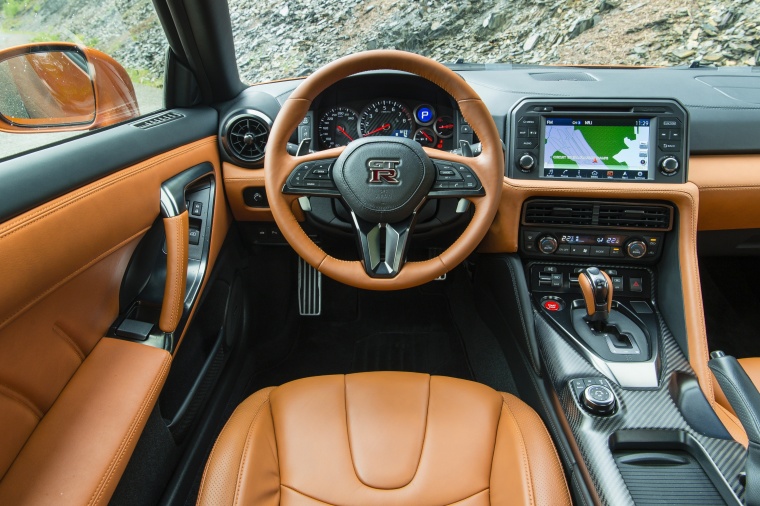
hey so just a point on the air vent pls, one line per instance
(602, 214)
(548, 212)
(245, 136)
(634, 216)
(158, 120)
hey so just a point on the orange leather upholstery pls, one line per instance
(383, 438)
(81, 447)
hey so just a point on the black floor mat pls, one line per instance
(732, 304)
(409, 330)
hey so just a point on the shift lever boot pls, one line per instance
(596, 286)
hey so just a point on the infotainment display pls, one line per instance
(597, 148)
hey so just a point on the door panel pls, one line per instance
(63, 262)
(35, 178)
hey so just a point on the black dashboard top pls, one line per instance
(723, 103)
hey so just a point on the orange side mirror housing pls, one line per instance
(61, 86)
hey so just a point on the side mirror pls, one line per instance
(62, 87)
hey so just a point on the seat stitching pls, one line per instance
(424, 436)
(307, 495)
(248, 440)
(493, 455)
(524, 452)
(131, 431)
(473, 495)
(20, 400)
(69, 341)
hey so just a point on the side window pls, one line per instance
(70, 67)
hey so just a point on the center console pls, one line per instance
(603, 290)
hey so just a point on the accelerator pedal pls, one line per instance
(309, 289)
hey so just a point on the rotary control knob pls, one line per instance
(669, 165)
(636, 249)
(548, 244)
(526, 162)
(598, 400)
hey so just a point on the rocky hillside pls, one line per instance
(294, 37)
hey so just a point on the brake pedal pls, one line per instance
(309, 289)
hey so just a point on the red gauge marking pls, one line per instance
(430, 139)
(446, 127)
(343, 131)
(385, 126)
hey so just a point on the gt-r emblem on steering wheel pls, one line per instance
(383, 171)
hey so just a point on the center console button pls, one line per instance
(564, 249)
(617, 283)
(600, 251)
(580, 250)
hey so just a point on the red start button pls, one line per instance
(552, 305)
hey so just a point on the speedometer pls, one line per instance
(386, 117)
(337, 127)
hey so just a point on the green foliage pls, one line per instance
(46, 37)
(144, 76)
(11, 8)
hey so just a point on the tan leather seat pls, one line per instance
(383, 438)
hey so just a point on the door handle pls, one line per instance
(177, 229)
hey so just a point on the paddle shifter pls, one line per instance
(596, 286)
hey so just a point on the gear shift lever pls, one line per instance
(596, 286)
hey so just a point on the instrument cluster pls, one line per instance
(432, 126)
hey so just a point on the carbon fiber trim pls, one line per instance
(638, 409)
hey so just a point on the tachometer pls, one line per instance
(337, 127)
(386, 117)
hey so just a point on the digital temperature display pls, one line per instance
(607, 239)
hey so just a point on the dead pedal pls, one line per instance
(309, 289)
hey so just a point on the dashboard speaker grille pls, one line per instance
(544, 212)
(245, 136)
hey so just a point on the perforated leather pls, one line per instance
(383, 438)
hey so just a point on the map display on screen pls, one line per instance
(596, 148)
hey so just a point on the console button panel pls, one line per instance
(563, 278)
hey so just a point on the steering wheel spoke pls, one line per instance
(383, 246)
(455, 179)
(312, 178)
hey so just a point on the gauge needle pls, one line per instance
(424, 134)
(446, 127)
(385, 126)
(343, 131)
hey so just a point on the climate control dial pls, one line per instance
(548, 244)
(636, 248)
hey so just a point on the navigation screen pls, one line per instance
(596, 148)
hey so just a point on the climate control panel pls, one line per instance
(618, 245)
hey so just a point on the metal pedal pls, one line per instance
(309, 289)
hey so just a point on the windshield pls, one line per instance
(276, 40)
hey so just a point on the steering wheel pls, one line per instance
(384, 181)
